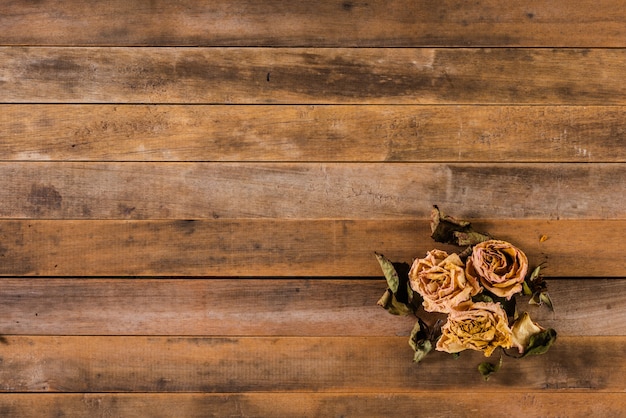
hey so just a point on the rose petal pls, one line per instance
(524, 328)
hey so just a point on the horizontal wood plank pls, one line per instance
(312, 75)
(228, 306)
(323, 23)
(313, 133)
(293, 364)
(288, 405)
(79, 190)
(263, 307)
(248, 247)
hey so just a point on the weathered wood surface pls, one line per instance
(323, 23)
(264, 307)
(293, 364)
(314, 405)
(181, 219)
(259, 247)
(302, 133)
(313, 75)
(310, 190)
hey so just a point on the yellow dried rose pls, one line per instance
(481, 326)
(500, 267)
(523, 328)
(441, 281)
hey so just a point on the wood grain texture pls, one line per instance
(313, 405)
(324, 23)
(329, 248)
(228, 306)
(80, 190)
(294, 364)
(313, 75)
(191, 193)
(265, 307)
(313, 133)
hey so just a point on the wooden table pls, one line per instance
(191, 194)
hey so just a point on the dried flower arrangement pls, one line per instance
(476, 289)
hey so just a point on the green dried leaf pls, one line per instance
(540, 342)
(534, 300)
(469, 238)
(419, 341)
(526, 289)
(393, 281)
(482, 297)
(535, 274)
(386, 299)
(422, 350)
(409, 291)
(449, 230)
(390, 303)
(541, 298)
(486, 368)
(399, 298)
(545, 299)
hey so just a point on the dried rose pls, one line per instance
(481, 326)
(441, 281)
(500, 267)
(523, 328)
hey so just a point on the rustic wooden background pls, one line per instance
(191, 194)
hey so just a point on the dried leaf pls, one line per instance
(419, 341)
(469, 238)
(543, 238)
(486, 368)
(422, 350)
(389, 301)
(482, 297)
(535, 274)
(386, 299)
(449, 230)
(540, 342)
(399, 299)
(541, 298)
(389, 271)
(534, 300)
(544, 298)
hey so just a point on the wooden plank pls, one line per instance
(263, 307)
(248, 247)
(80, 190)
(293, 364)
(322, 405)
(312, 75)
(313, 133)
(195, 307)
(325, 23)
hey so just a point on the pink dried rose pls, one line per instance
(499, 266)
(441, 281)
(481, 326)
